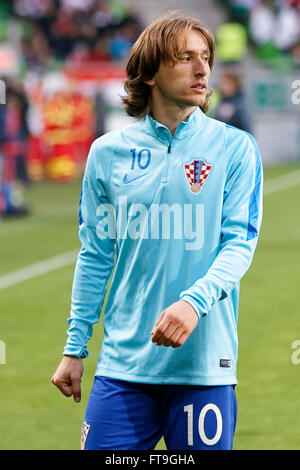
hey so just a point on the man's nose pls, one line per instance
(200, 67)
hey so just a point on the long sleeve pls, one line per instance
(241, 221)
(95, 260)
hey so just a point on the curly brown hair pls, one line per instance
(161, 40)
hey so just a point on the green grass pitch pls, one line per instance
(33, 314)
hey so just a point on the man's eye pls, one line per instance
(185, 58)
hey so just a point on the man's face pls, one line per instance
(184, 84)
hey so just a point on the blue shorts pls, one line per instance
(134, 416)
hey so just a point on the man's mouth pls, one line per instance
(199, 88)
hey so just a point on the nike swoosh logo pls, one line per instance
(127, 180)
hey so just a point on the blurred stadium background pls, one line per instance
(62, 65)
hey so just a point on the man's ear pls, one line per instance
(150, 82)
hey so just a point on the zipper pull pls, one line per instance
(169, 149)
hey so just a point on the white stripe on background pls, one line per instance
(271, 186)
(280, 183)
(36, 269)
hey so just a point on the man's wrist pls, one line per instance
(191, 304)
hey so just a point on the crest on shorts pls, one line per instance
(84, 434)
(196, 173)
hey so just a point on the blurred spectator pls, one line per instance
(99, 52)
(13, 139)
(16, 89)
(240, 10)
(279, 25)
(231, 42)
(262, 22)
(14, 131)
(31, 8)
(232, 107)
(287, 28)
(293, 3)
(36, 52)
(273, 28)
(53, 30)
(77, 5)
(123, 39)
(63, 33)
(76, 38)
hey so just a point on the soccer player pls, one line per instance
(174, 203)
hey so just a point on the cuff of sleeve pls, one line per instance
(76, 351)
(78, 335)
(191, 301)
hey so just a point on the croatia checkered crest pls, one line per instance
(196, 173)
(84, 433)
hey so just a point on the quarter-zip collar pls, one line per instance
(183, 130)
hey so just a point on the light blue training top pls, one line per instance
(177, 218)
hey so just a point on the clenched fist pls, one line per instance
(174, 325)
(67, 377)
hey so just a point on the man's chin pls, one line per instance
(198, 102)
(194, 103)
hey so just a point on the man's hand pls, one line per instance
(174, 325)
(67, 377)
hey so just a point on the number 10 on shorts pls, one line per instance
(189, 409)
